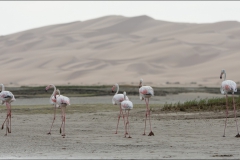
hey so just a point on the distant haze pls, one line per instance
(18, 16)
(118, 49)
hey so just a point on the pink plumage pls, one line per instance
(59, 101)
(116, 100)
(126, 106)
(228, 86)
(7, 97)
(145, 92)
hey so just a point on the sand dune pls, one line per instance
(121, 49)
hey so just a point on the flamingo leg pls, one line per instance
(53, 119)
(125, 125)
(146, 114)
(151, 132)
(4, 121)
(125, 122)
(6, 117)
(235, 116)
(7, 123)
(128, 125)
(64, 119)
(123, 116)
(61, 124)
(120, 114)
(226, 115)
(10, 116)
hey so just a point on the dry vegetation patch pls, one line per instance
(213, 104)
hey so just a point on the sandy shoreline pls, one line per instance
(91, 136)
(178, 135)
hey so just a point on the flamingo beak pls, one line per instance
(220, 77)
(113, 89)
(45, 90)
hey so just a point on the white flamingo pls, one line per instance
(116, 100)
(126, 105)
(7, 97)
(145, 92)
(228, 86)
(59, 101)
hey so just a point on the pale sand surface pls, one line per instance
(91, 136)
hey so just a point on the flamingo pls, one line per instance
(59, 101)
(145, 92)
(116, 100)
(7, 97)
(228, 86)
(126, 105)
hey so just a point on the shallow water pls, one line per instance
(108, 99)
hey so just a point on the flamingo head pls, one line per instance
(113, 88)
(46, 89)
(49, 86)
(222, 72)
(140, 83)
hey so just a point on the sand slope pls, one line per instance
(121, 49)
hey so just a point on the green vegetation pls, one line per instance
(103, 90)
(79, 108)
(214, 104)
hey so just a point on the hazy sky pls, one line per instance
(17, 16)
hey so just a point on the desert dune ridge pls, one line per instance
(117, 49)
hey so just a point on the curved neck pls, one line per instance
(225, 76)
(58, 92)
(3, 88)
(54, 91)
(141, 83)
(117, 88)
(124, 96)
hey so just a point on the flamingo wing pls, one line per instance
(227, 86)
(118, 98)
(146, 90)
(126, 104)
(6, 95)
(63, 100)
(53, 101)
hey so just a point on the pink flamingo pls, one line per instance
(228, 86)
(116, 100)
(7, 97)
(145, 92)
(60, 102)
(126, 105)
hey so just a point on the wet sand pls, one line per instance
(91, 136)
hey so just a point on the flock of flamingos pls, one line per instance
(145, 92)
